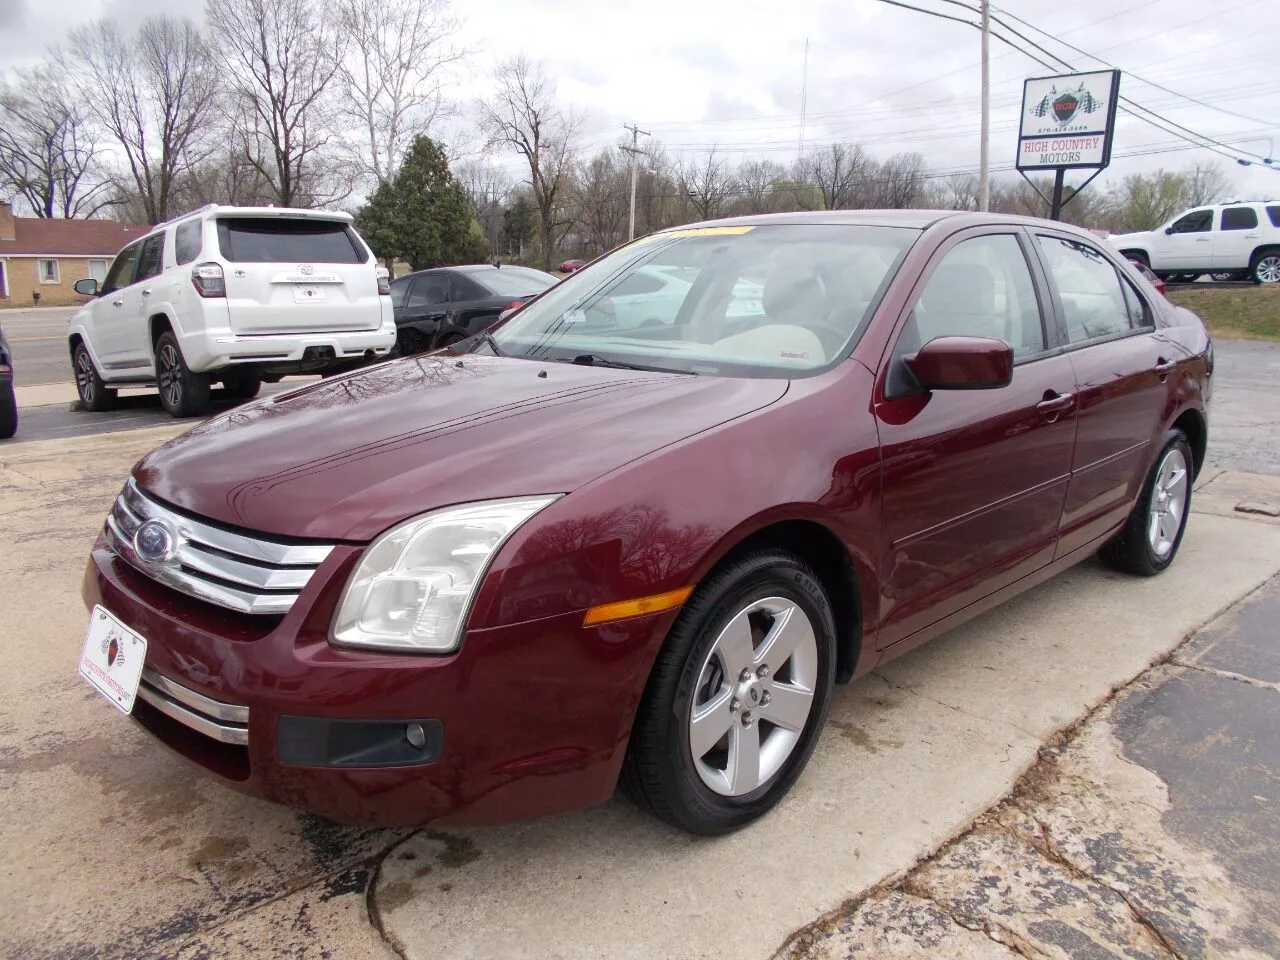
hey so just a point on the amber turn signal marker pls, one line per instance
(657, 603)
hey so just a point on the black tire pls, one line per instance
(8, 412)
(94, 394)
(1132, 550)
(659, 773)
(182, 393)
(244, 386)
(410, 342)
(1265, 268)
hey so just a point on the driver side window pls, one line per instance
(981, 287)
(1197, 221)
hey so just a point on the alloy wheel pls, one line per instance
(1168, 503)
(753, 698)
(84, 376)
(170, 376)
(1268, 269)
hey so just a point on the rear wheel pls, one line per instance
(1151, 536)
(1266, 267)
(182, 393)
(244, 386)
(93, 392)
(8, 412)
(737, 697)
(409, 342)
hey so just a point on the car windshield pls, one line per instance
(776, 300)
(512, 281)
(286, 240)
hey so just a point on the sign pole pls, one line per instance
(1055, 208)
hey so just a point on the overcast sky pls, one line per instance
(730, 72)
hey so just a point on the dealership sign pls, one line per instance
(1068, 121)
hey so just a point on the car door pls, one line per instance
(135, 336)
(426, 304)
(1237, 234)
(1187, 243)
(115, 311)
(472, 308)
(972, 481)
(1122, 366)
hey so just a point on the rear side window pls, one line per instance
(1239, 218)
(428, 290)
(151, 259)
(187, 241)
(1094, 301)
(1274, 214)
(272, 240)
(512, 281)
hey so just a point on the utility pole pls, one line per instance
(635, 151)
(984, 161)
(804, 100)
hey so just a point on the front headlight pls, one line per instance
(412, 589)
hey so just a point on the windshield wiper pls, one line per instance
(485, 337)
(595, 360)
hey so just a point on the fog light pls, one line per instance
(416, 736)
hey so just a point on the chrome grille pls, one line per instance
(226, 722)
(233, 570)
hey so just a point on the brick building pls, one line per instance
(48, 256)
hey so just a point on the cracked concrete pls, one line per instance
(1152, 830)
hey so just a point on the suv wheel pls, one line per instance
(1266, 267)
(182, 393)
(93, 392)
(244, 386)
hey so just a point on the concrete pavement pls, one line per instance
(113, 848)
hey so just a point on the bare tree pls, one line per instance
(392, 77)
(523, 114)
(603, 200)
(835, 171)
(282, 57)
(487, 186)
(897, 183)
(48, 155)
(1206, 183)
(706, 183)
(960, 192)
(154, 93)
(758, 182)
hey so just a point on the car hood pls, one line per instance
(343, 459)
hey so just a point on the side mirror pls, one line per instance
(1168, 231)
(962, 363)
(87, 287)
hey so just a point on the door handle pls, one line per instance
(117, 303)
(1054, 404)
(1203, 239)
(1164, 367)
(146, 292)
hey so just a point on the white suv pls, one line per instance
(1235, 239)
(231, 294)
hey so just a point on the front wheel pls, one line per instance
(1266, 267)
(182, 393)
(737, 697)
(1151, 536)
(93, 392)
(244, 386)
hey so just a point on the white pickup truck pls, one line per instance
(235, 295)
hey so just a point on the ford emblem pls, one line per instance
(155, 542)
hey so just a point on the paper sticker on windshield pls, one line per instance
(706, 232)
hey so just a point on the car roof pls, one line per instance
(912, 219)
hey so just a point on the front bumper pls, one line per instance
(531, 718)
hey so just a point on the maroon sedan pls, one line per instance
(573, 553)
(572, 266)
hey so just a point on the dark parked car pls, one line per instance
(439, 307)
(500, 582)
(572, 266)
(8, 402)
